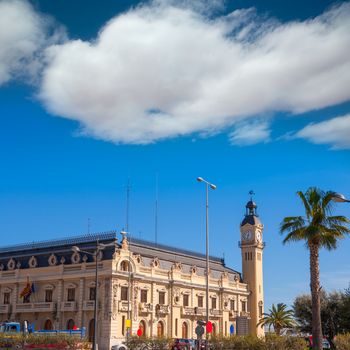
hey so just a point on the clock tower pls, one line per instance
(252, 265)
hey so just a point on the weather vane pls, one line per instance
(251, 192)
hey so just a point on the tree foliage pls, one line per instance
(278, 317)
(335, 313)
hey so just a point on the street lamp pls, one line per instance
(213, 187)
(95, 254)
(338, 197)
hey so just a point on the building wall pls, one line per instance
(155, 277)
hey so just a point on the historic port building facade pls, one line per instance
(161, 289)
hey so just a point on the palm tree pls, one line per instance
(318, 228)
(278, 317)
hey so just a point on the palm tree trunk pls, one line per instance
(315, 297)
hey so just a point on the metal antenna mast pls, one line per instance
(128, 188)
(156, 214)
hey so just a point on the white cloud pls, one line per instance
(163, 70)
(250, 133)
(23, 35)
(335, 132)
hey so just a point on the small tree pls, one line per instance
(278, 317)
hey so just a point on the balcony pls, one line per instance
(245, 314)
(162, 309)
(24, 307)
(146, 307)
(233, 314)
(88, 305)
(42, 307)
(215, 312)
(124, 306)
(4, 309)
(199, 311)
(68, 306)
(185, 310)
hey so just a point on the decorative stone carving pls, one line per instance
(194, 270)
(177, 266)
(85, 258)
(224, 275)
(138, 259)
(2, 267)
(63, 260)
(11, 264)
(18, 265)
(236, 278)
(75, 258)
(125, 243)
(176, 294)
(155, 262)
(52, 260)
(33, 262)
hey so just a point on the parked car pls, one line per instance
(124, 347)
(200, 345)
(183, 344)
(325, 343)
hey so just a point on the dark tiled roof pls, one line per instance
(251, 219)
(68, 241)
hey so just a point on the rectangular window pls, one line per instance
(143, 296)
(185, 299)
(92, 293)
(232, 305)
(260, 310)
(124, 291)
(71, 294)
(175, 326)
(244, 305)
(48, 296)
(200, 301)
(6, 298)
(161, 298)
(213, 303)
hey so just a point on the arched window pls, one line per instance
(184, 330)
(70, 324)
(91, 330)
(142, 326)
(125, 265)
(160, 329)
(48, 325)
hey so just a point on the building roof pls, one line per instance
(167, 255)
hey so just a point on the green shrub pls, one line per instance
(342, 341)
(249, 342)
(161, 343)
(42, 340)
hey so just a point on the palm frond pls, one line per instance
(306, 203)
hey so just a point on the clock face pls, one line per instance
(246, 236)
(258, 236)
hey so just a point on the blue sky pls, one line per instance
(247, 94)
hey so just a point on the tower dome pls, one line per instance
(251, 216)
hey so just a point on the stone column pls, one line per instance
(59, 302)
(80, 302)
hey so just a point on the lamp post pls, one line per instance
(213, 187)
(95, 254)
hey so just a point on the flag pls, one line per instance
(26, 291)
